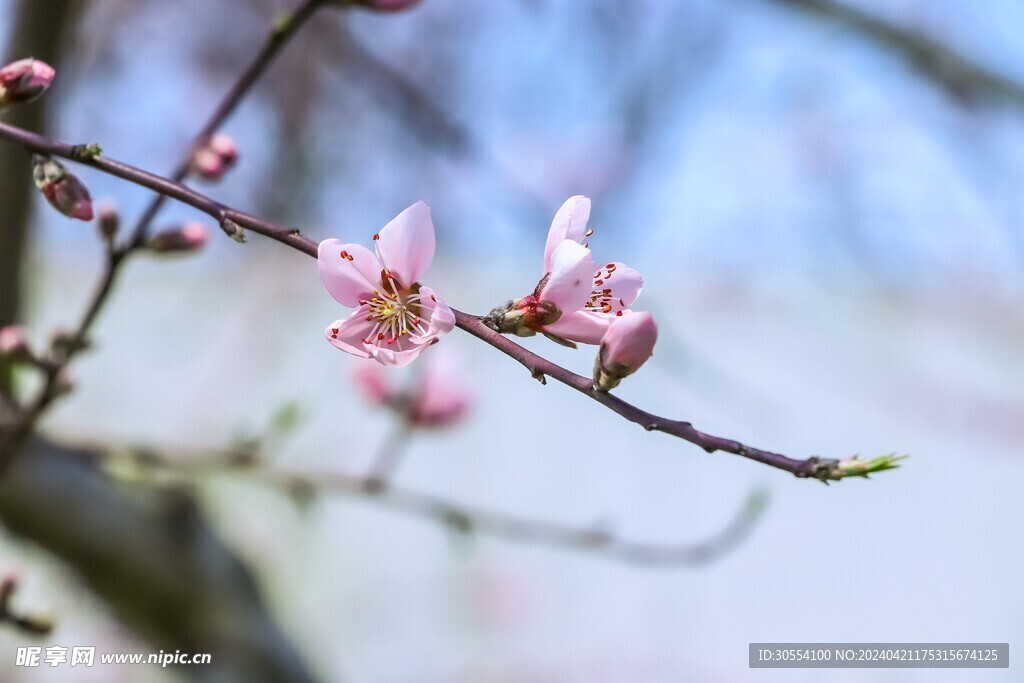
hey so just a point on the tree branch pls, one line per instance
(285, 26)
(959, 75)
(463, 519)
(150, 555)
(823, 469)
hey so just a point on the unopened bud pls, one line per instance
(215, 158)
(14, 344)
(24, 81)
(385, 5)
(627, 345)
(190, 237)
(62, 189)
(233, 230)
(108, 221)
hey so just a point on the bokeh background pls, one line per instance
(829, 221)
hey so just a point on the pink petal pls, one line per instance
(406, 244)
(625, 283)
(572, 271)
(396, 357)
(436, 311)
(348, 334)
(570, 223)
(581, 326)
(348, 279)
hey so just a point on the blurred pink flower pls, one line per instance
(437, 396)
(628, 344)
(395, 317)
(614, 287)
(215, 158)
(24, 81)
(14, 343)
(190, 237)
(62, 189)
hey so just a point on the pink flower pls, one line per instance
(24, 81)
(614, 288)
(190, 237)
(436, 397)
(215, 158)
(62, 189)
(627, 345)
(395, 317)
(14, 343)
(575, 300)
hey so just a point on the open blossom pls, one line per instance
(436, 396)
(627, 345)
(576, 300)
(395, 317)
(24, 81)
(614, 286)
(61, 188)
(215, 158)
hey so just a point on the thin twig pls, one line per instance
(466, 519)
(285, 26)
(958, 74)
(32, 625)
(389, 456)
(823, 469)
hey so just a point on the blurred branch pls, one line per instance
(151, 556)
(34, 626)
(823, 469)
(37, 30)
(464, 519)
(958, 75)
(284, 27)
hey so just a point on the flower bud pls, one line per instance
(215, 158)
(108, 221)
(62, 189)
(627, 345)
(385, 5)
(190, 237)
(14, 344)
(233, 230)
(24, 81)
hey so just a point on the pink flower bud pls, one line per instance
(215, 158)
(627, 345)
(24, 81)
(62, 189)
(386, 5)
(14, 343)
(190, 237)
(108, 221)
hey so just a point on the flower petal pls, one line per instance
(584, 327)
(348, 334)
(440, 316)
(348, 279)
(624, 282)
(570, 223)
(571, 276)
(406, 244)
(396, 357)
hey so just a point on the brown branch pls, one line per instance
(152, 557)
(461, 518)
(823, 469)
(959, 75)
(285, 26)
(31, 625)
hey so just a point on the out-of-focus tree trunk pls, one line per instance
(38, 31)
